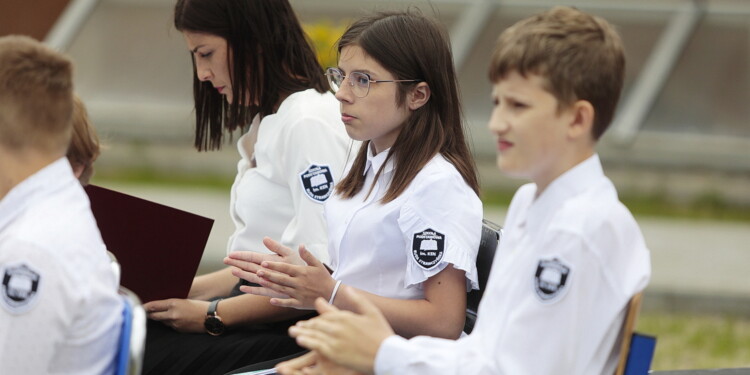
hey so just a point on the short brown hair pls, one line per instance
(84, 145)
(36, 95)
(580, 56)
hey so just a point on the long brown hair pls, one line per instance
(412, 46)
(270, 54)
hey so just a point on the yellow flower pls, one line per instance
(324, 34)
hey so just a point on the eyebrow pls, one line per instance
(195, 50)
(365, 71)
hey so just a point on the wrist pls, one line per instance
(213, 323)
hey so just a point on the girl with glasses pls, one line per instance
(253, 68)
(404, 224)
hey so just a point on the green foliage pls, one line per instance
(697, 341)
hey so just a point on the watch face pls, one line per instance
(214, 325)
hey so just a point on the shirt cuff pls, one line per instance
(392, 355)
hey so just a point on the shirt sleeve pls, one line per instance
(572, 324)
(442, 224)
(314, 158)
(33, 316)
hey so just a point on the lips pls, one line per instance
(346, 118)
(220, 89)
(503, 145)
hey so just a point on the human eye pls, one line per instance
(204, 55)
(361, 79)
(516, 104)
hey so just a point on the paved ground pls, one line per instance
(697, 265)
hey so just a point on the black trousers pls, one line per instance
(169, 352)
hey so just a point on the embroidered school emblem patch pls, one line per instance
(317, 182)
(19, 288)
(428, 247)
(550, 279)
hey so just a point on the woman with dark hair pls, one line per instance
(255, 71)
(404, 225)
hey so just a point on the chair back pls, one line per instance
(491, 235)
(636, 350)
(132, 342)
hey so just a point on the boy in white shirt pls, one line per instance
(59, 308)
(572, 255)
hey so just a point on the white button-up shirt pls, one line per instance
(59, 307)
(391, 249)
(563, 273)
(300, 153)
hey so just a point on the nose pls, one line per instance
(345, 93)
(498, 123)
(202, 71)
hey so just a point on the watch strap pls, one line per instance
(212, 307)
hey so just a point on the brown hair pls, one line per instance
(36, 95)
(412, 46)
(270, 55)
(580, 56)
(84, 145)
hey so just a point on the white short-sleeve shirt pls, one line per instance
(300, 153)
(391, 249)
(59, 307)
(566, 267)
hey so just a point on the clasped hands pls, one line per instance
(291, 279)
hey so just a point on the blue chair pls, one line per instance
(132, 342)
(636, 350)
(491, 235)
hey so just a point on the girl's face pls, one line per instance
(376, 117)
(210, 53)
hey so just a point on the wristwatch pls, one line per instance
(214, 325)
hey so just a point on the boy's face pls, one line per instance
(531, 133)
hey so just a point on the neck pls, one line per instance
(18, 165)
(567, 163)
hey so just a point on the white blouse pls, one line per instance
(300, 153)
(391, 249)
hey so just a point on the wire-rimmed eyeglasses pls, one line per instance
(359, 81)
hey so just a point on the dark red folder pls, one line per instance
(158, 247)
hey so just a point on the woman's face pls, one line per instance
(376, 117)
(210, 54)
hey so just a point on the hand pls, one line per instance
(291, 285)
(183, 315)
(350, 339)
(312, 363)
(246, 263)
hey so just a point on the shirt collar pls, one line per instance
(45, 181)
(571, 183)
(376, 161)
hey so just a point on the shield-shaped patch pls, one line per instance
(551, 278)
(428, 247)
(19, 288)
(317, 182)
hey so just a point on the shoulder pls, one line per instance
(440, 181)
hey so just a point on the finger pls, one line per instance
(162, 316)
(281, 267)
(308, 359)
(247, 256)
(287, 302)
(249, 276)
(261, 291)
(324, 307)
(159, 305)
(276, 247)
(278, 273)
(309, 258)
(241, 264)
(360, 303)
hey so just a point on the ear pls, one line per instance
(582, 120)
(418, 96)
